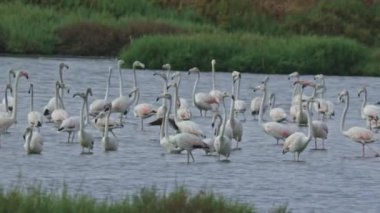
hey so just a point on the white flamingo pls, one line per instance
(217, 94)
(8, 121)
(183, 111)
(327, 106)
(222, 143)
(59, 114)
(122, 103)
(216, 128)
(135, 89)
(97, 105)
(4, 108)
(277, 114)
(357, 134)
(277, 130)
(109, 143)
(298, 141)
(51, 105)
(85, 139)
(72, 123)
(165, 139)
(187, 126)
(9, 98)
(240, 105)
(368, 111)
(34, 118)
(100, 123)
(203, 101)
(33, 141)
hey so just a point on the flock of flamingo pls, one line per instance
(188, 135)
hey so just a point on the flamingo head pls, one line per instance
(342, 94)
(319, 76)
(167, 66)
(63, 65)
(176, 74)
(120, 62)
(213, 62)
(361, 90)
(161, 74)
(304, 83)
(12, 73)
(293, 75)
(232, 97)
(265, 80)
(89, 91)
(193, 70)
(8, 86)
(235, 75)
(27, 131)
(80, 94)
(138, 64)
(165, 95)
(24, 73)
(260, 87)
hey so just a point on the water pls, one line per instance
(336, 180)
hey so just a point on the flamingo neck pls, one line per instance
(364, 103)
(29, 141)
(232, 109)
(108, 85)
(6, 100)
(237, 89)
(213, 75)
(106, 128)
(10, 80)
(175, 104)
(195, 87)
(81, 123)
(263, 99)
(120, 81)
(166, 120)
(309, 123)
(219, 124)
(273, 101)
(344, 113)
(300, 102)
(31, 99)
(221, 133)
(14, 111)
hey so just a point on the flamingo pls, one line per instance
(183, 140)
(217, 94)
(274, 129)
(143, 111)
(85, 139)
(100, 123)
(368, 111)
(51, 105)
(327, 106)
(222, 143)
(210, 141)
(4, 109)
(59, 114)
(301, 115)
(34, 117)
(135, 89)
(109, 144)
(122, 103)
(8, 121)
(183, 111)
(234, 128)
(98, 105)
(256, 103)
(9, 98)
(357, 134)
(72, 123)
(277, 114)
(165, 140)
(187, 126)
(298, 141)
(240, 105)
(33, 141)
(202, 101)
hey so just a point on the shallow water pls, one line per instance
(334, 180)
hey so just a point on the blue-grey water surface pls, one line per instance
(336, 180)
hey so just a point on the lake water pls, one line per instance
(336, 180)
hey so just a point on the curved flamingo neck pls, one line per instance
(175, 104)
(309, 123)
(31, 98)
(10, 74)
(300, 102)
(272, 100)
(29, 140)
(344, 113)
(6, 99)
(166, 119)
(81, 123)
(237, 89)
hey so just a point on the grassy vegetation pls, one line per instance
(271, 36)
(252, 53)
(34, 199)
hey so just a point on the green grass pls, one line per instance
(35, 199)
(252, 53)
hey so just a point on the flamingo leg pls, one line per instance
(363, 151)
(298, 156)
(188, 157)
(191, 154)
(72, 138)
(323, 143)
(68, 138)
(315, 142)
(142, 125)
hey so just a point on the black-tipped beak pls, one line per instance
(212, 125)
(157, 99)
